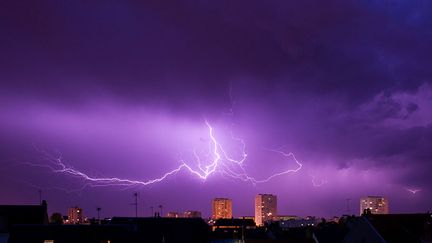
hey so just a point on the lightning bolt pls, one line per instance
(220, 161)
(413, 191)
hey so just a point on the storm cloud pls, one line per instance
(114, 86)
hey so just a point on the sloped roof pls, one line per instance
(402, 227)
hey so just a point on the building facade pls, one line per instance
(173, 215)
(75, 215)
(265, 208)
(222, 208)
(192, 214)
(376, 205)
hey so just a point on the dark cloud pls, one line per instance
(182, 49)
(411, 107)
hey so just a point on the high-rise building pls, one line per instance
(221, 208)
(192, 214)
(376, 205)
(75, 215)
(265, 208)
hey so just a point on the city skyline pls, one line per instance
(318, 103)
(221, 208)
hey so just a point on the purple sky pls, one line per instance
(123, 89)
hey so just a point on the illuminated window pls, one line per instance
(48, 241)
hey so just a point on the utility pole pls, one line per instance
(98, 214)
(160, 207)
(136, 204)
(243, 228)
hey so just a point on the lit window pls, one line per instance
(48, 241)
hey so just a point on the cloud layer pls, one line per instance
(122, 88)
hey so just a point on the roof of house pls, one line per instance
(402, 227)
(120, 229)
(234, 222)
(22, 214)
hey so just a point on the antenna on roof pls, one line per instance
(98, 209)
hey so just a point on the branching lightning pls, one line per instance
(220, 161)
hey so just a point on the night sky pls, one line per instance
(123, 89)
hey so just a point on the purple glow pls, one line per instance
(219, 162)
(314, 102)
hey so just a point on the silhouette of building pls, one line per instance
(12, 216)
(222, 208)
(192, 214)
(265, 208)
(287, 217)
(227, 230)
(247, 217)
(75, 215)
(118, 230)
(29, 224)
(393, 228)
(173, 215)
(376, 205)
(233, 224)
(286, 222)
